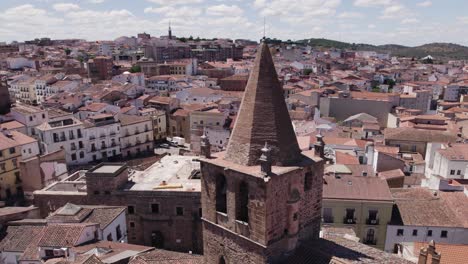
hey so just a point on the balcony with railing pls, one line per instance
(372, 221)
(370, 241)
(349, 221)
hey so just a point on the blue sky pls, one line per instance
(407, 22)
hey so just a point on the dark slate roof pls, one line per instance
(263, 117)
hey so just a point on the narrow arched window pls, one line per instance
(221, 190)
(242, 202)
(222, 261)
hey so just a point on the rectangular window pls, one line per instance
(429, 233)
(415, 232)
(73, 156)
(179, 210)
(155, 208)
(12, 150)
(308, 181)
(349, 216)
(132, 224)
(458, 172)
(118, 232)
(443, 233)
(452, 172)
(399, 232)
(327, 215)
(131, 209)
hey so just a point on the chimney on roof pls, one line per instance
(205, 145)
(319, 146)
(429, 252)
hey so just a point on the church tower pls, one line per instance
(262, 197)
(170, 30)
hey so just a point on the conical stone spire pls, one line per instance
(263, 117)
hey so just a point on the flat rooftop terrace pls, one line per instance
(171, 173)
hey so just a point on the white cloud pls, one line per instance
(224, 10)
(175, 2)
(298, 10)
(463, 20)
(96, 1)
(170, 11)
(371, 26)
(350, 15)
(368, 3)
(395, 11)
(410, 21)
(425, 3)
(65, 7)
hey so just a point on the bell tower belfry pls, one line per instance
(261, 197)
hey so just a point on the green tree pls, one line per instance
(67, 51)
(135, 68)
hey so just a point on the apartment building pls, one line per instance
(136, 135)
(30, 116)
(102, 133)
(65, 133)
(12, 145)
(363, 203)
(424, 215)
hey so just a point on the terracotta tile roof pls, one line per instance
(117, 252)
(102, 215)
(418, 135)
(18, 238)
(126, 120)
(345, 158)
(159, 256)
(161, 100)
(16, 139)
(390, 174)
(424, 207)
(450, 254)
(11, 125)
(93, 107)
(356, 188)
(455, 152)
(335, 248)
(387, 149)
(79, 259)
(61, 235)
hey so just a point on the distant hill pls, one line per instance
(440, 51)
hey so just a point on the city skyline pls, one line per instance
(408, 23)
